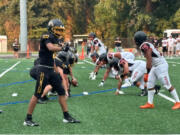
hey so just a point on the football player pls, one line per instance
(136, 70)
(105, 59)
(126, 55)
(100, 61)
(63, 65)
(65, 61)
(96, 44)
(46, 74)
(157, 68)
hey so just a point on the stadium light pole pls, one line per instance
(23, 27)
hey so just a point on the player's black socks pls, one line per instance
(29, 117)
(66, 114)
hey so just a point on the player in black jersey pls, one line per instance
(46, 75)
(63, 65)
(64, 61)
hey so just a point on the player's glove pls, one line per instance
(101, 83)
(92, 76)
(145, 77)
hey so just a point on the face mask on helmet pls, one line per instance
(56, 27)
(91, 35)
(58, 31)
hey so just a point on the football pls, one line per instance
(74, 82)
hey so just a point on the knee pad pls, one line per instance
(167, 86)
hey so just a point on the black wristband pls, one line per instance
(122, 76)
(148, 70)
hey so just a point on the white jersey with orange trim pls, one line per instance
(125, 55)
(128, 56)
(157, 58)
(133, 64)
(98, 42)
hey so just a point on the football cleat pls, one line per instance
(176, 106)
(143, 93)
(52, 93)
(41, 101)
(147, 106)
(1, 111)
(127, 84)
(70, 119)
(101, 84)
(30, 123)
(119, 92)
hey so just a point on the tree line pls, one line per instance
(107, 18)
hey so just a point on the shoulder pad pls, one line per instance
(45, 36)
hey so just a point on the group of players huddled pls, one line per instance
(123, 67)
(56, 59)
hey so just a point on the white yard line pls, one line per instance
(173, 62)
(89, 62)
(3, 73)
(166, 97)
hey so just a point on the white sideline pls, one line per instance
(159, 94)
(89, 62)
(3, 73)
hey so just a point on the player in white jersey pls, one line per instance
(171, 44)
(126, 55)
(97, 45)
(157, 68)
(137, 71)
(164, 46)
(133, 68)
(105, 59)
(178, 46)
(100, 61)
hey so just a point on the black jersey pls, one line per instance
(62, 61)
(45, 55)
